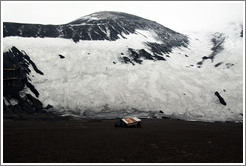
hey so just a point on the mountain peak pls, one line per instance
(103, 25)
(107, 15)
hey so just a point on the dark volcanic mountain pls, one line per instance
(98, 26)
(106, 26)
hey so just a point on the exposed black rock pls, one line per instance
(48, 106)
(218, 64)
(186, 55)
(76, 38)
(157, 57)
(134, 56)
(127, 60)
(35, 103)
(16, 58)
(161, 112)
(205, 57)
(200, 63)
(218, 40)
(229, 65)
(222, 101)
(165, 48)
(241, 33)
(138, 56)
(61, 56)
(15, 77)
(15, 73)
(32, 88)
(145, 54)
(27, 104)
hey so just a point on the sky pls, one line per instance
(179, 15)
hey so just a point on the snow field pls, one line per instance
(87, 83)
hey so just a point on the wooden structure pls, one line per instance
(129, 122)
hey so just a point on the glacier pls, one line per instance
(92, 82)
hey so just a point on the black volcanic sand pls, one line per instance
(97, 141)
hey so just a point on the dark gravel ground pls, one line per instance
(97, 141)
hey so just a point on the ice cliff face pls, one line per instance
(111, 64)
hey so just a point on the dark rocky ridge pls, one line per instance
(218, 40)
(15, 78)
(137, 56)
(87, 28)
(100, 26)
(16, 70)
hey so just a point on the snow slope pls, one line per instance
(91, 81)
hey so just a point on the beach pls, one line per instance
(70, 140)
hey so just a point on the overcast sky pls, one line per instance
(179, 16)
